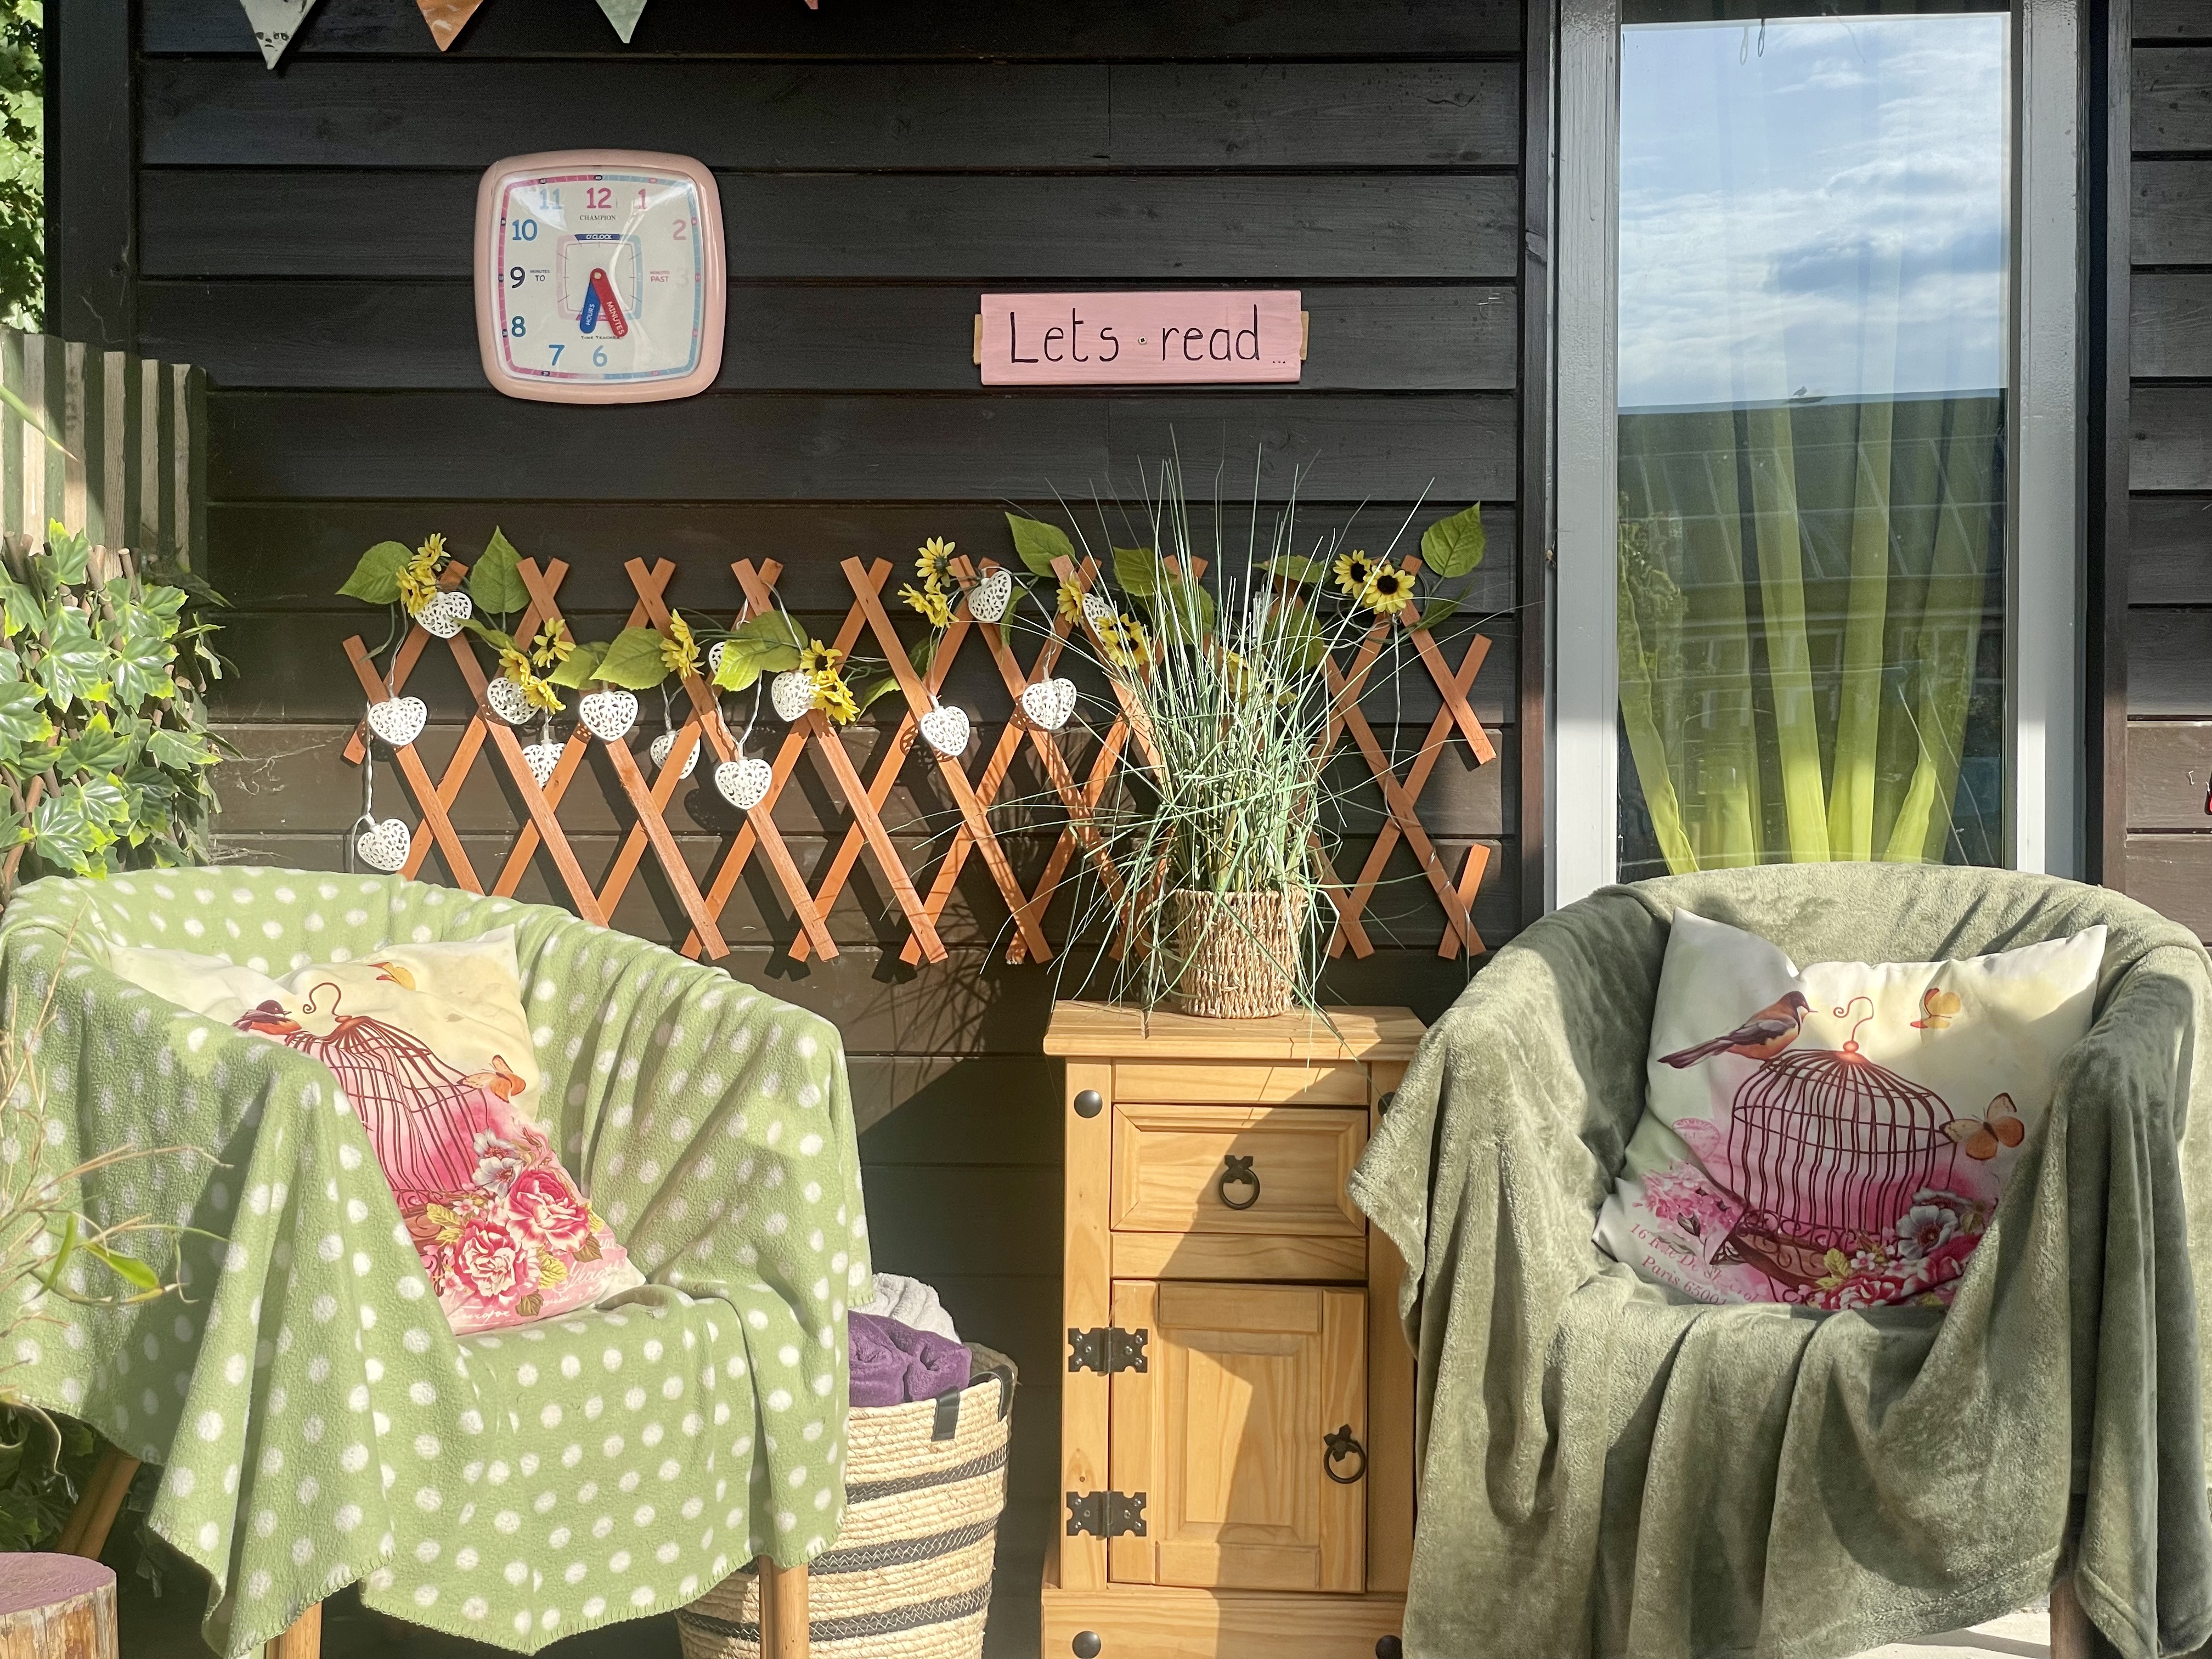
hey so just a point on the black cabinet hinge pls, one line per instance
(1105, 1514)
(1107, 1348)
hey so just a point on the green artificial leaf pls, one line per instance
(739, 664)
(870, 690)
(66, 833)
(495, 638)
(179, 752)
(19, 609)
(1452, 547)
(577, 671)
(375, 580)
(1435, 612)
(171, 584)
(634, 660)
(494, 585)
(1298, 635)
(143, 656)
(70, 553)
(1138, 570)
(98, 748)
(129, 1268)
(1038, 544)
(1184, 606)
(1306, 573)
(74, 664)
(106, 800)
(772, 627)
(23, 716)
(923, 652)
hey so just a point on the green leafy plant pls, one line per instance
(22, 164)
(105, 744)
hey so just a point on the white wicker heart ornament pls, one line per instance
(441, 618)
(664, 745)
(398, 720)
(987, 600)
(608, 714)
(792, 694)
(1096, 609)
(506, 699)
(541, 758)
(1048, 703)
(744, 783)
(383, 846)
(946, 730)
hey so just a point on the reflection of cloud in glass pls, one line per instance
(1817, 210)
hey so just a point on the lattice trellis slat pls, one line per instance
(863, 800)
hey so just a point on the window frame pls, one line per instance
(2046, 592)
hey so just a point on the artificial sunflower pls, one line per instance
(514, 664)
(418, 577)
(679, 652)
(834, 698)
(551, 647)
(1124, 641)
(933, 601)
(817, 659)
(540, 694)
(933, 560)
(1355, 570)
(1071, 601)
(1387, 590)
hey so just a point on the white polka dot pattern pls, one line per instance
(312, 1427)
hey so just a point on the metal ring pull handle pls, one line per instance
(1342, 1446)
(1237, 1172)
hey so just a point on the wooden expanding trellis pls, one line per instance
(922, 902)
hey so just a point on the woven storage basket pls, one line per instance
(1239, 951)
(909, 1577)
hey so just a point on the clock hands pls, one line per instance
(604, 290)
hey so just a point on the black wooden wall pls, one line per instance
(305, 235)
(2169, 588)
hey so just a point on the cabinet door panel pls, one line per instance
(1226, 1434)
(1171, 1162)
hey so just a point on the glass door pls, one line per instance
(1803, 593)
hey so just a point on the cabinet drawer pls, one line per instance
(1276, 1169)
(1246, 1082)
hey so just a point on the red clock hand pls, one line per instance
(609, 306)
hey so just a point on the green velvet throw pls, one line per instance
(315, 1420)
(1610, 1469)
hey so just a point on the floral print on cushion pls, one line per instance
(1841, 1137)
(505, 1234)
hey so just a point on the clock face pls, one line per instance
(599, 277)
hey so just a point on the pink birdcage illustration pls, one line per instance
(413, 1104)
(1829, 1148)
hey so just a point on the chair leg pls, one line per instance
(2072, 1637)
(94, 1517)
(784, 1633)
(303, 1641)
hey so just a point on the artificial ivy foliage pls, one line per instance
(105, 744)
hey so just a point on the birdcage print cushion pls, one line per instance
(1841, 1136)
(431, 1046)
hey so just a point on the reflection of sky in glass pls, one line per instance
(1814, 207)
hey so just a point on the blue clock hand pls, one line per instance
(588, 313)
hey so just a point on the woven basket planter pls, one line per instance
(909, 1577)
(1238, 951)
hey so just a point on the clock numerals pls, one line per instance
(556, 353)
(525, 230)
(596, 197)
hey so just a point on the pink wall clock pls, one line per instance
(600, 276)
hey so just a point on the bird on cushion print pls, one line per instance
(1762, 1036)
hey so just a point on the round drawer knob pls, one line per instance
(1086, 1644)
(1390, 1647)
(1089, 1104)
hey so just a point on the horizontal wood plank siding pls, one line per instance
(305, 237)
(2168, 752)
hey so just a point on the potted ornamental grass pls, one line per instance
(1225, 656)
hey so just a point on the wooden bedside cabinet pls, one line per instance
(1237, 1443)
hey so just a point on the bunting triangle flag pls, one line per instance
(274, 23)
(448, 18)
(623, 15)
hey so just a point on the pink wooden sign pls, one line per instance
(1139, 339)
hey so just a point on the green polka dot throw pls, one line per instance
(316, 1422)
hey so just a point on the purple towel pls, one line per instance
(894, 1363)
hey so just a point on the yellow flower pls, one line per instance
(834, 698)
(1124, 642)
(932, 601)
(1353, 571)
(552, 647)
(419, 581)
(514, 664)
(678, 650)
(1071, 601)
(541, 694)
(1387, 591)
(817, 659)
(934, 558)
